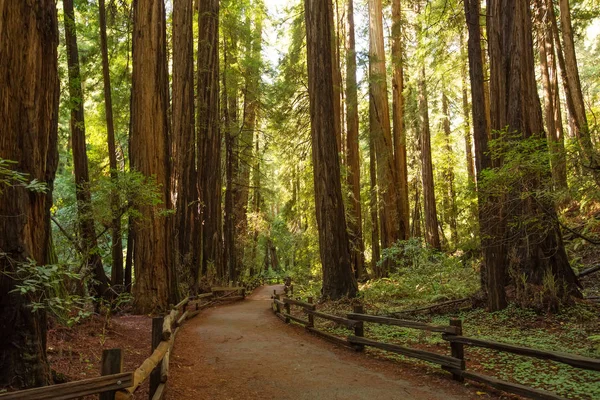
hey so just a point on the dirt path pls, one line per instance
(242, 351)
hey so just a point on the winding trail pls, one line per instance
(242, 351)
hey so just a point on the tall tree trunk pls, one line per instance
(577, 105)
(337, 80)
(432, 236)
(373, 206)
(492, 274)
(88, 244)
(154, 272)
(209, 135)
(532, 250)
(379, 116)
(334, 246)
(399, 126)
(256, 200)
(554, 128)
(116, 234)
(29, 90)
(251, 105)
(352, 150)
(184, 158)
(466, 109)
(450, 198)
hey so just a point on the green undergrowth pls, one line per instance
(574, 330)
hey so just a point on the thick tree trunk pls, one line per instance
(334, 248)
(29, 90)
(432, 236)
(352, 151)
(398, 124)
(209, 135)
(534, 250)
(154, 272)
(379, 117)
(88, 243)
(184, 157)
(116, 234)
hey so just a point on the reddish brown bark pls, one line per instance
(29, 89)
(338, 278)
(154, 271)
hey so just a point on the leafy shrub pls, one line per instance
(421, 273)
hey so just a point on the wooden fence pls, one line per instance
(119, 385)
(452, 333)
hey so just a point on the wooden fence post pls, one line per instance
(288, 311)
(291, 290)
(277, 306)
(311, 318)
(157, 326)
(359, 329)
(457, 349)
(112, 363)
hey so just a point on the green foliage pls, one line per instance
(421, 273)
(9, 177)
(49, 287)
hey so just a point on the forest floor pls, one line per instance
(75, 353)
(242, 351)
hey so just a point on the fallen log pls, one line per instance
(427, 308)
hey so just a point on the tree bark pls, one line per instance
(373, 206)
(209, 136)
(534, 250)
(450, 199)
(251, 106)
(184, 159)
(231, 156)
(352, 151)
(87, 232)
(154, 272)
(29, 90)
(576, 105)
(553, 117)
(432, 236)
(492, 274)
(398, 124)
(338, 278)
(379, 117)
(116, 234)
(466, 110)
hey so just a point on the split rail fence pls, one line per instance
(114, 384)
(452, 333)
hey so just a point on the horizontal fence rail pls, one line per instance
(74, 390)
(452, 333)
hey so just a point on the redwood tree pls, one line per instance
(184, 159)
(352, 150)
(209, 136)
(29, 90)
(116, 235)
(154, 278)
(526, 238)
(334, 246)
(88, 243)
(380, 129)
